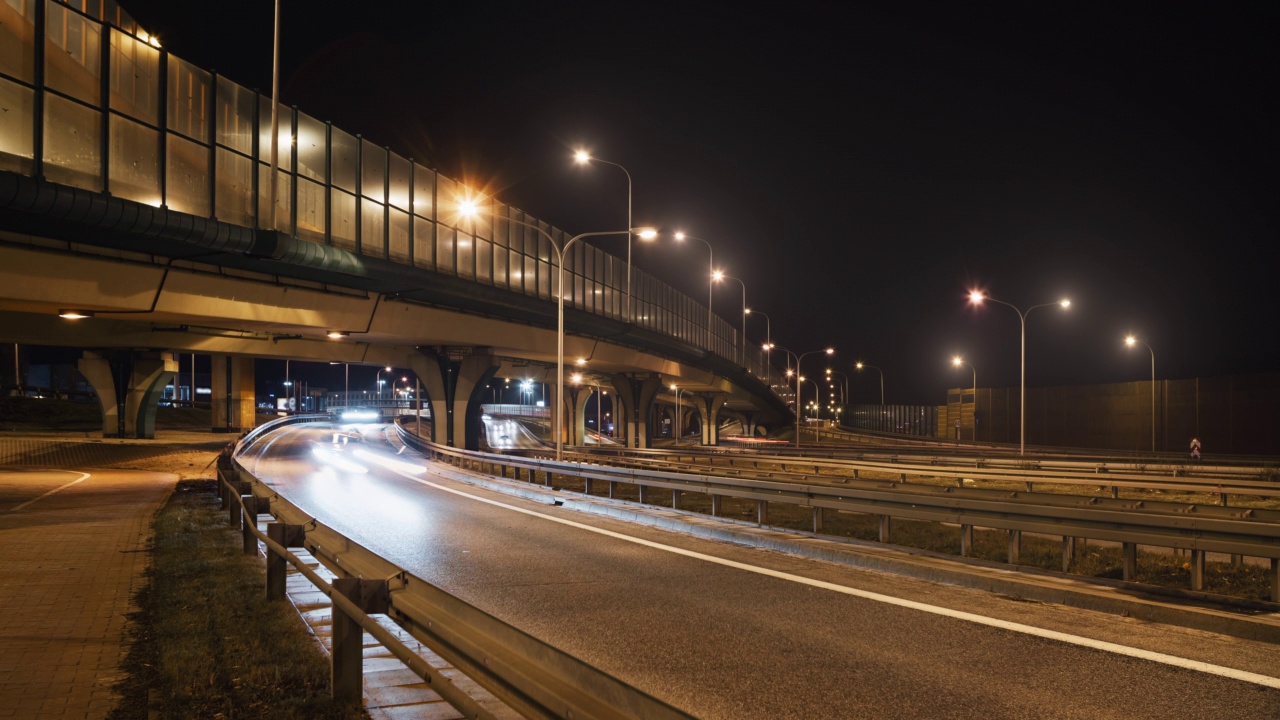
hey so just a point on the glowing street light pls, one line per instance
(379, 381)
(1132, 341)
(958, 361)
(582, 157)
(798, 358)
(742, 346)
(644, 233)
(677, 390)
(859, 365)
(976, 297)
(711, 278)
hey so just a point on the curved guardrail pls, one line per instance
(1195, 528)
(530, 676)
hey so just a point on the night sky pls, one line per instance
(859, 165)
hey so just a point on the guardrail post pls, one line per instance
(1015, 546)
(1130, 551)
(347, 657)
(250, 520)
(612, 486)
(1275, 580)
(286, 536)
(762, 511)
(1237, 560)
(886, 524)
(817, 519)
(1068, 552)
(1222, 499)
(966, 540)
(643, 493)
(233, 514)
(1197, 569)
(1115, 492)
(715, 505)
(675, 499)
(586, 485)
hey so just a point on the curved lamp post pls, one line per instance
(582, 157)
(711, 278)
(469, 208)
(958, 362)
(742, 346)
(860, 365)
(798, 358)
(677, 390)
(976, 297)
(1131, 341)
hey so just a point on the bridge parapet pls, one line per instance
(169, 150)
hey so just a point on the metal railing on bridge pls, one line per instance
(94, 103)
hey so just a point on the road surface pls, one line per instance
(723, 631)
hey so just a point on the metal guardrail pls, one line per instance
(530, 676)
(1196, 528)
(1220, 480)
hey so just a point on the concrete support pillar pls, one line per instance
(750, 423)
(454, 380)
(576, 398)
(708, 405)
(129, 387)
(233, 398)
(634, 399)
(97, 370)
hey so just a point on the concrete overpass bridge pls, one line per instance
(134, 188)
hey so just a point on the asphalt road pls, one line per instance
(723, 631)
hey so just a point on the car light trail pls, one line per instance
(332, 458)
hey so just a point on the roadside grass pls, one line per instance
(207, 643)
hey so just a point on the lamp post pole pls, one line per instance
(958, 361)
(977, 297)
(742, 345)
(711, 279)
(677, 390)
(768, 343)
(646, 233)
(860, 365)
(1131, 341)
(582, 157)
(798, 358)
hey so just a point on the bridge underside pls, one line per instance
(144, 302)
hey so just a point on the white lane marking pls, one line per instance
(77, 481)
(1102, 645)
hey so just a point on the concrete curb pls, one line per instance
(1258, 622)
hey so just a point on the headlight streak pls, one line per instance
(328, 456)
(389, 463)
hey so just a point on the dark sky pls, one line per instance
(859, 165)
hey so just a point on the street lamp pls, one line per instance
(768, 327)
(578, 378)
(976, 297)
(677, 390)
(860, 365)
(582, 157)
(1131, 341)
(798, 358)
(644, 233)
(742, 346)
(831, 372)
(711, 272)
(378, 384)
(958, 361)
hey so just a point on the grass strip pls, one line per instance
(207, 643)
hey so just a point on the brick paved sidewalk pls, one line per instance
(70, 563)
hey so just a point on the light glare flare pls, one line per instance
(331, 458)
(582, 157)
